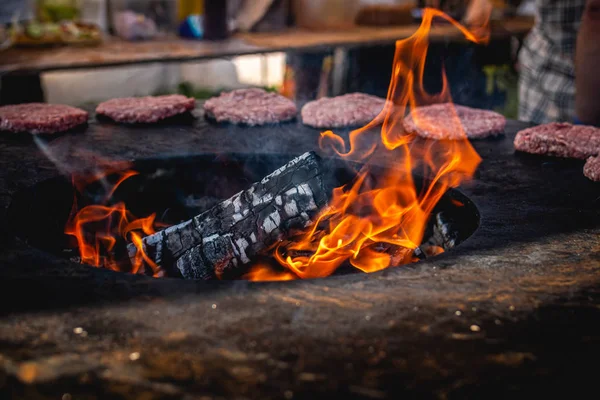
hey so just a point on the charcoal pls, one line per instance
(222, 241)
(444, 235)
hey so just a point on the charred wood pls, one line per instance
(444, 235)
(223, 240)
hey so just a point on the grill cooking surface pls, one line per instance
(511, 311)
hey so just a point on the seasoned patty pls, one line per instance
(39, 118)
(250, 107)
(349, 110)
(439, 121)
(591, 169)
(560, 139)
(147, 109)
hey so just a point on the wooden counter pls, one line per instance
(117, 52)
(362, 35)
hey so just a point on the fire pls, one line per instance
(373, 223)
(264, 272)
(377, 223)
(98, 229)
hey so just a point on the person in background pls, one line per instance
(258, 15)
(587, 62)
(11, 10)
(547, 62)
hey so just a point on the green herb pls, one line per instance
(34, 30)
(57, 12)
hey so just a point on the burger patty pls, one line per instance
(591, 169)
(452, 122)
(349, 110)
(560, 139)
(251, 107)
(39, 118)
(147, 109)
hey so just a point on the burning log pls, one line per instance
(223, 240)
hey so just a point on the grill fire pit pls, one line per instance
(178, 189)
(509, 312)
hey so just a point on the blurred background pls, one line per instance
(80, 52)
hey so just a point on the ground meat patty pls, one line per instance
(40, 118)
(354, 109)
(250, 107)
(147, 109)
(591, 168)
(438, 121)
(560, 139)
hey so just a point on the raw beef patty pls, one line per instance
(250, 107)
(147, 109)
(40, 118)
(354, 109)
(591, 169)
(439, 122)
(562, 139)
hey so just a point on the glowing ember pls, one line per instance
(376, 224)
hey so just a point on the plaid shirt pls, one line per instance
(546, 61)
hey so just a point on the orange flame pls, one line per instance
(374, 224)
(264, 272)
(98, 227)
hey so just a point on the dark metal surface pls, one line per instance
(510, 312)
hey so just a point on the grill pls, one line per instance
(509, 311)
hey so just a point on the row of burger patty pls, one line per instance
(258, 107)
(254, 107)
